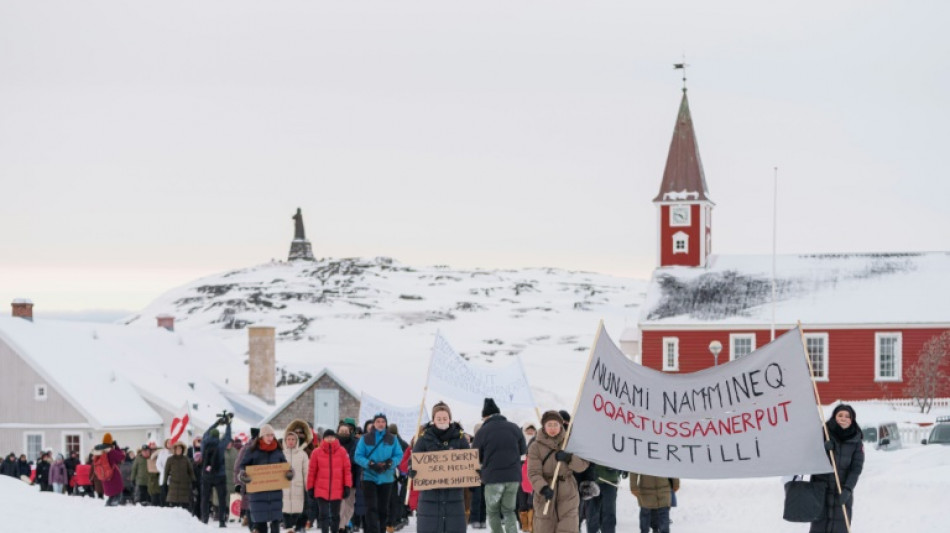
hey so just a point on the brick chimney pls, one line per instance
(262, 362)
(166, 321)
(22, 308)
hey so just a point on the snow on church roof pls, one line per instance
(108, 371)
(838, 289)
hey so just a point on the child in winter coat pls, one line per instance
(331, 480)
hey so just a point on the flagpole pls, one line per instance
(821, 419)
(525, 374)
(422, 409)
(774, 233)
(577, 401)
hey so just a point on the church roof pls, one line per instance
(683, 178)
(830, 289)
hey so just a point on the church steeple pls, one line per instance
(300, 246)
(683, 204)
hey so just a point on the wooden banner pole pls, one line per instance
(422, 409)
(821, 419)
(577, 401)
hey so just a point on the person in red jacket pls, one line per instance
(330, 478)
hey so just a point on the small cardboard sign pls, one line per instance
(445, 469)
(267, 477)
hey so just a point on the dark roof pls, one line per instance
(683, 178)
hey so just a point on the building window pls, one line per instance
(740, 345)
(680, 243)
(34, 445)
(817, 346)
(671, 353)
(72, 442)
(888, 352)
(40, 392)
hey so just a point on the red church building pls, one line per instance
(866, 317)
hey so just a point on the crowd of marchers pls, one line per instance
(359, 478)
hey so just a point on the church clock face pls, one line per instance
(679, 215)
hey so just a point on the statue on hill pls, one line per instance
(300, 249)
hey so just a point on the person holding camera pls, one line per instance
(212, 469)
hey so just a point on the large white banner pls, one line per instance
(405, 418)
(753, 417)
(455, 377)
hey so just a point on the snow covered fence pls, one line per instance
(903, 403)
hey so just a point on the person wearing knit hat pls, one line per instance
(378, 453)
(440, 509)
(500, 445)
(265, 506)
(544, 455)
(112, 487)
(329, 479)
(489, 408)
(107, 439)
(846, 443)
(347, 437)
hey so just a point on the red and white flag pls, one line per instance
(179, 425)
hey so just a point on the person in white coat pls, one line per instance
(295, 496)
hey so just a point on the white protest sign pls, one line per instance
(753, 417)
(405, 418)
(456, 377)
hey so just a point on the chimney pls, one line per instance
(262, 362)
(22, 308)
(166, 321)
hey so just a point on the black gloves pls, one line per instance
(547, 493)
(845, 495)
(346, 492)
(289, 474)
(412, 473)
(237, 489)
(829, 445)
(379, 467)
(561, 455)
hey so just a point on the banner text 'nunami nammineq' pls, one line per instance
(753, 417)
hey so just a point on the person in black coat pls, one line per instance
(24, 467)
(441, 510)
(500, 446)
(266, 507)
(42, 472)
(71, 463)
(9, 466)
(848, 448)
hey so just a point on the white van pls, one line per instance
(883, 435)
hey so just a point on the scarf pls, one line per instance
(267, 447)
(841, 434)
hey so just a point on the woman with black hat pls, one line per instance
(441, 510)
(846, 445)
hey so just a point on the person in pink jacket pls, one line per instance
(330, 478)
(112, 487)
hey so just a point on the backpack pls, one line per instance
(102, 467)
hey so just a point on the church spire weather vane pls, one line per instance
(682, 66)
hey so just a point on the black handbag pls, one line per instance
(804, 501)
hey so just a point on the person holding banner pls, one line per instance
(847, 444)
(266, 506)
(543, 457)
(441, 510)
(378, 452)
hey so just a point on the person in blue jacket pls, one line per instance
(379, 453)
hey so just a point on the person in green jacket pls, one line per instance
(655, 496)
(140, 476)
(602, 509)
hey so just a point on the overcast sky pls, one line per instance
(145, 144)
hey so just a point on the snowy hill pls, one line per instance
(372, 321)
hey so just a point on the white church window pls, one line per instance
(671, 353)
(39, 392)
(34, 445)
(888, 355)
(817, 346)
(740, 345)
(680, 243)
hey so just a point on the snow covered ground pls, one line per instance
(902, 490)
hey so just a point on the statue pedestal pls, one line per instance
(300, 250)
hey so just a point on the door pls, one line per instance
(326, 408)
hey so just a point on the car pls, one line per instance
(940, 434)
(883, 435)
